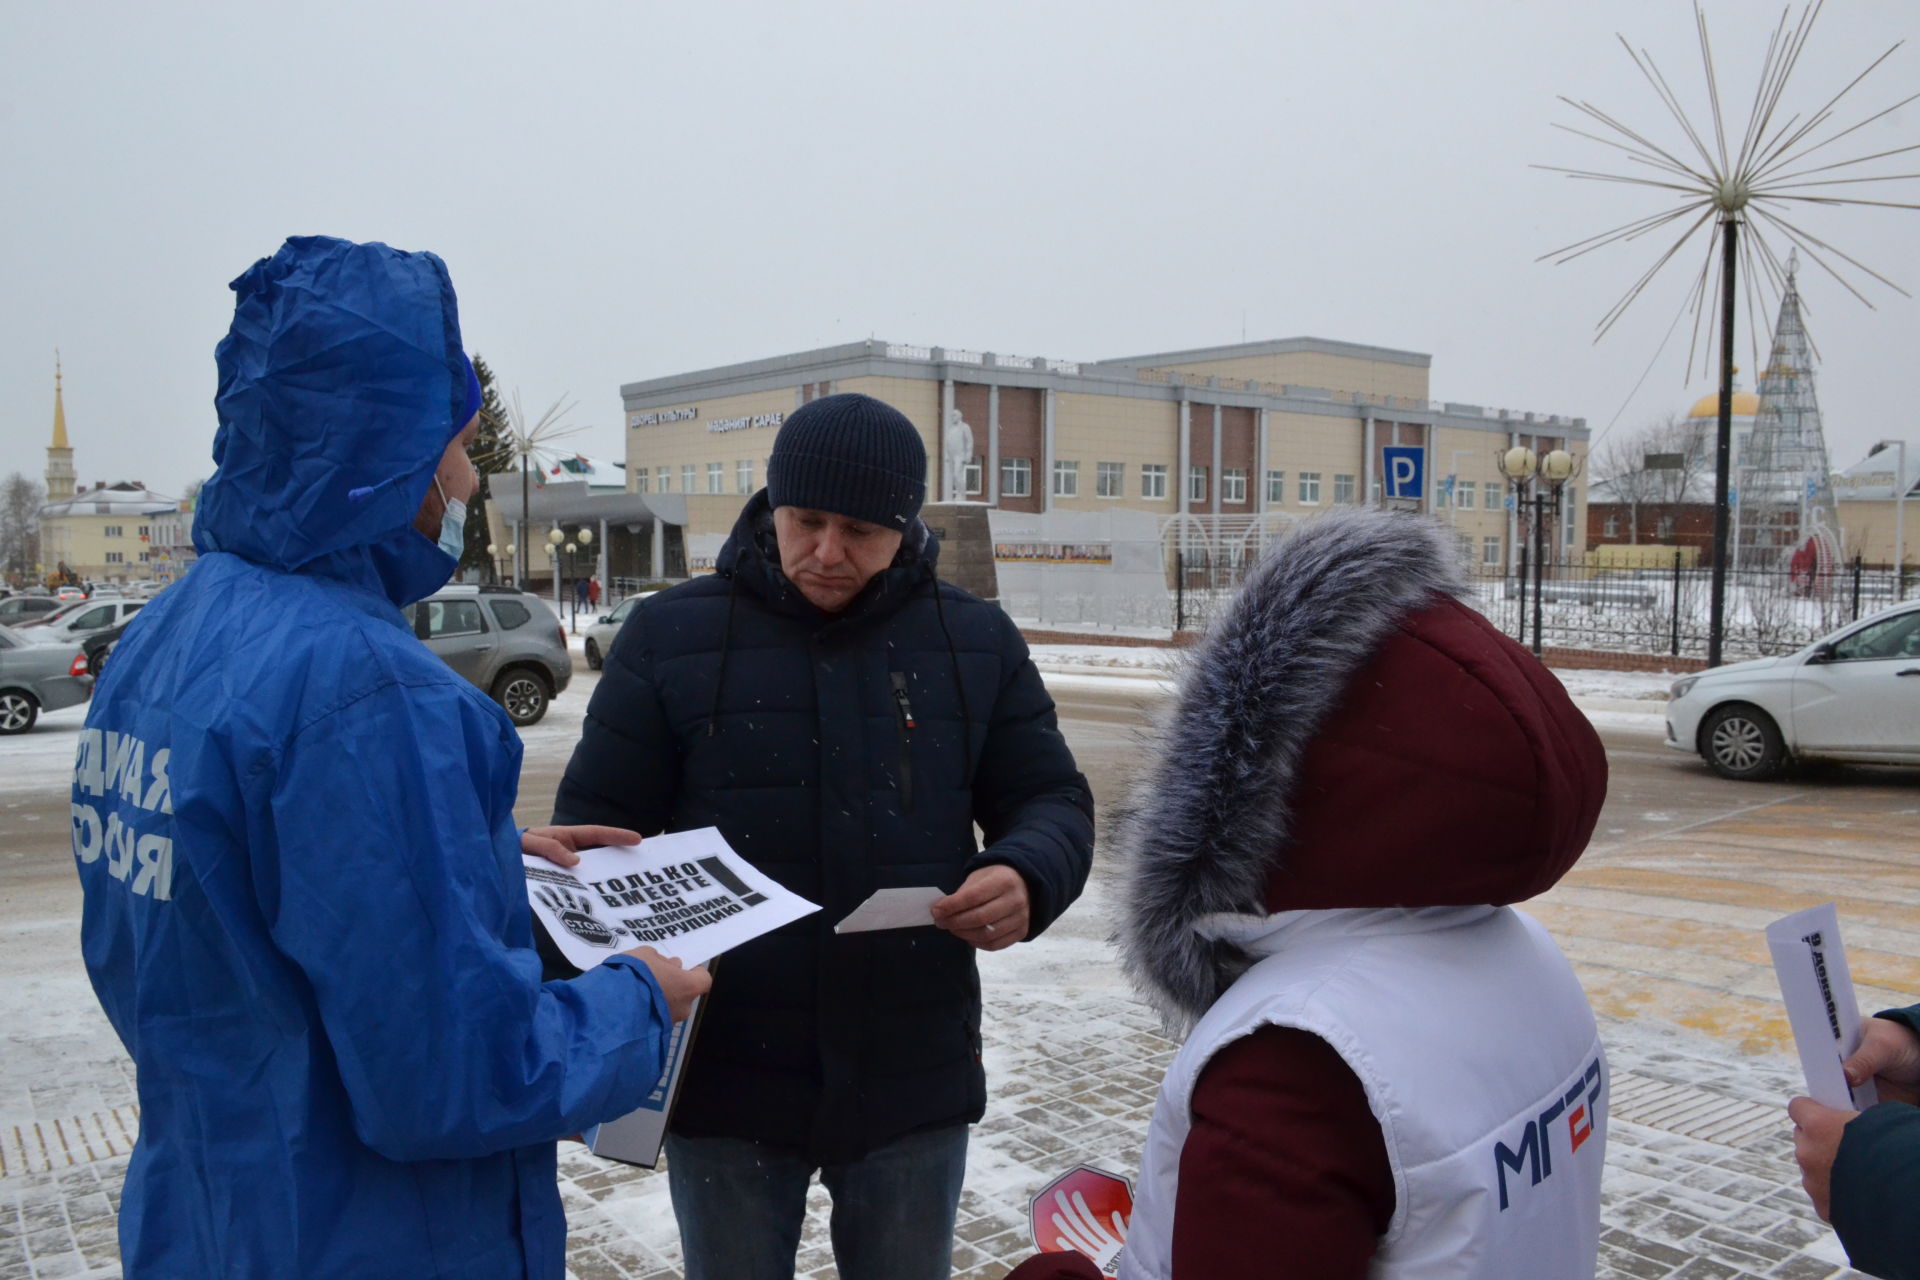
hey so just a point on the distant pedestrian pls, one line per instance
(593, 593)
(580, 592)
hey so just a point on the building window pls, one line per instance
(1153, 480)
(1310, 488)
(1463, 496)
(1490, 550)
(116, 557)
(1440, 496)
(1491, 493)
(974, 475)
(145, 556)
(716, 477)
(144, 530)
(1109, 479)
(1343, 489)
(1066, 479)
(743, 476)
(688, 475)
(1664, 529)
(1613, 527)
(666, 480)
(640, 480)
(1233, 484)
(1016, 477)
(1277, 487)
(1197, 484)
(112, 531)
(1567, 517)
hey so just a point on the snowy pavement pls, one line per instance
(1659, 919)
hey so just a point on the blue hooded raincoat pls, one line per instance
(305, 913)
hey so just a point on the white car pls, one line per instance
(77, 620)
(600, 635)
(1854, 695)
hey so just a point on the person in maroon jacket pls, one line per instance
(1387, 1072)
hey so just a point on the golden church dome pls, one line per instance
(1746, 404)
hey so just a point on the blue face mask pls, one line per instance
(453, 525)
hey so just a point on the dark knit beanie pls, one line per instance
(852, 455)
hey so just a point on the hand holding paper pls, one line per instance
(1811, 965)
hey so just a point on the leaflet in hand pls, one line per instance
(686, 895)
(1821, 1008)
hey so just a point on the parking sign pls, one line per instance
(1406, 471)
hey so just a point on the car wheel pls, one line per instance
(18, 711)
(522, 695)
(1742, 743)
(593, 655)
(97, 661)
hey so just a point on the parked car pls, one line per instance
(67, 595)
(600, 635)
(15, 610)
(504, 640)
(1854, 695)
(77, 620)
(36, 678)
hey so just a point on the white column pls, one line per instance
(937, 491)
(1260, 460)
(1046, 448)
(1217, 487)
(606, 579)
(658, 569)
(993, 446)
(1182, 462)
(1368, 438)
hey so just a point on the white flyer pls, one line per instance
(1811, 964)
(686, 895)
(893, 909)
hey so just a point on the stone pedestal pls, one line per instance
(966, 546)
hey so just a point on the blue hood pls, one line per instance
(340, 384)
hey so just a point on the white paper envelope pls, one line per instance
(893, 909)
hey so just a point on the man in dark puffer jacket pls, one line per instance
(845, 719)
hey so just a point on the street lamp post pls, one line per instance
(493, 563)
(1540, 480)
(554, 539)
(585, 537)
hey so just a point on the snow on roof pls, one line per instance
(1873, 476)
(123, 499)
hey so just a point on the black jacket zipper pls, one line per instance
(903, 716)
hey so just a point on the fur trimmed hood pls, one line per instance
(1347, 735)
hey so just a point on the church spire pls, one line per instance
(59, 407)
(60, 452)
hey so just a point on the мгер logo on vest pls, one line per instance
(1580, 1105)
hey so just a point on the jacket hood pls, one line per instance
(1348, 735)
(340, 382)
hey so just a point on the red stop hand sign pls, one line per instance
(1086, 1211)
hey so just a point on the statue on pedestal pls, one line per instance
(956, 450)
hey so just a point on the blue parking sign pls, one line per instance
(1406, 471)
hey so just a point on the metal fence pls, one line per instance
(1653, 611)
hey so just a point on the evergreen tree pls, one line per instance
(491, 454)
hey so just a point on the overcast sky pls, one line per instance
(627, 190)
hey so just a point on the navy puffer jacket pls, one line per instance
(840, 753)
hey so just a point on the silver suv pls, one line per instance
(506, 641)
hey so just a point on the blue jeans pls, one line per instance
(741, 1205)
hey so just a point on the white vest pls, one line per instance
(1480, 1059)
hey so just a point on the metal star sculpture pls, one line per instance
(533, 445)
(1774, 166)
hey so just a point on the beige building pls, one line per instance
(1224, 435)
(1874, 520)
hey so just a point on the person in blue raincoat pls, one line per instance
(305, 913)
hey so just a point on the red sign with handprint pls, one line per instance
(1085, 1211)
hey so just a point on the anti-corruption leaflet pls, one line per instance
(686, 895)
(1821, 1008)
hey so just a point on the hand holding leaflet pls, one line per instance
(1817, 986)
(892, 909)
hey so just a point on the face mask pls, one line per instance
(453, 525)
